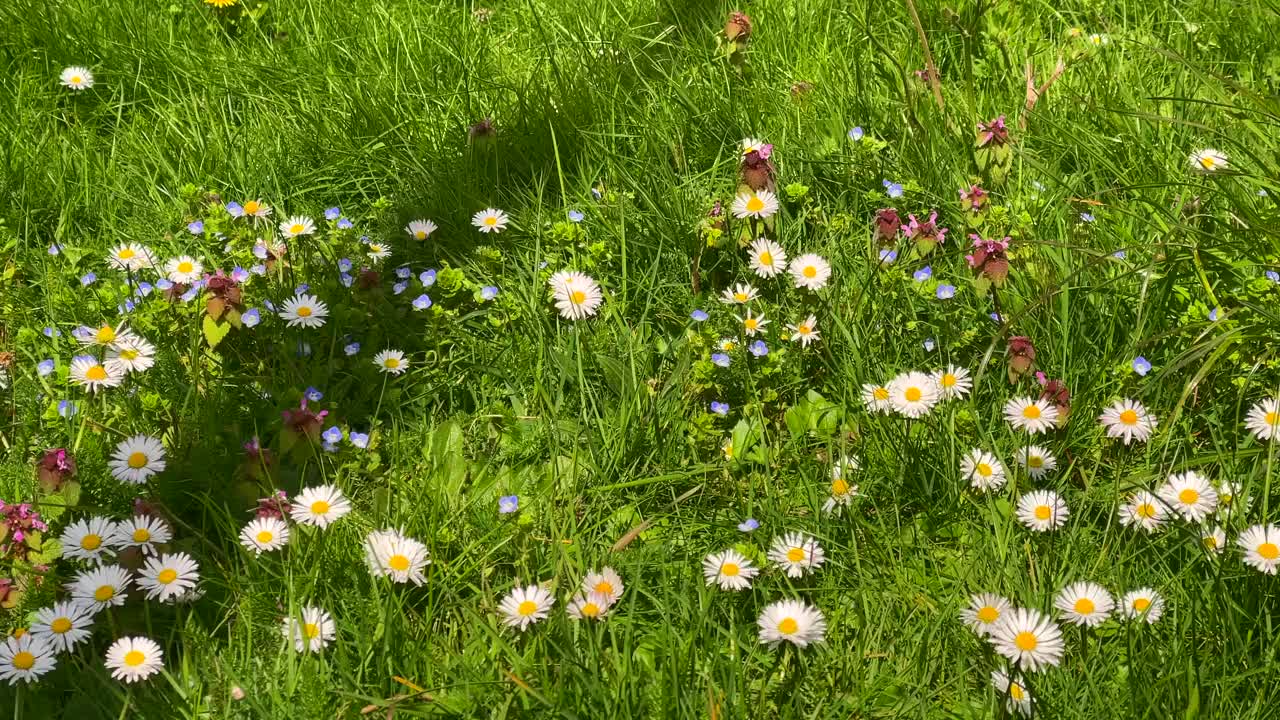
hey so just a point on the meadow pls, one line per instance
(639, 359)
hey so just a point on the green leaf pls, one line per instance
(215, 331)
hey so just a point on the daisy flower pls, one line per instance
(131, 354)
(1261, 545)
(739, 294)
(767, 258)
(728, 569)
(297, 225)
(1231, 499)
(311, 631)
(576, 295)
(793, 621)
(1028, 639)
(1037, 461)
(1214, 539)
(378, 252)
(251, 208)
(606, 582)
(752, 324)
(1017, 698)
(76, 77)
(395, 555)
(1042, 510)
(64, 625)
(266, 534)
(320, 506)
(101, 587)
(984, 611)
(1084, 603)
(136, 459)
(1032, 415)
(953, 383)
(524, 606)
(1208, 161)
(797, 554)
(87, 538)
(810, 272)
(304, 310)
(183, 269)
(983, 471)
(420, 229)
(391, 361)
(750, 145)
(25, 658)
(92, 375)
(756, 204)
(588, 606)
(1129, 420)
(130, 256)
(913, 394)
(490, 220)
(104, 335)
(1263, 420)
(1143, 510)
(1142, 603)
(168, 576)
(876, 398)
(141, 531)
(131, 659)
(1191, 495)
(805, 331)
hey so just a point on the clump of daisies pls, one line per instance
(576, 295)
(600, 591)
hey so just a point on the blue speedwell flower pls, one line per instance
(923, 274)
(945, 292)
(313, 394)
(719, 408)
(892, 189)
(758, 348)
(887, 257)
(1141, 365)
(251, 317)
(333, 434)
(52, 332)
(720, 359)
(855, 133)
(699, 315)
(404, 272)
(66, 408)
(239, 274)
(352, 348)
(195, 227)
(332, 213)
(345, 224)
(360, 440)
(88, 278)
(1273, 276)
(508, 504)
(576, 216)
(422, 302)
(45, 367)
(488, 292)
(346, 279)
(344, 265)
(748, 525)
(427, 278)
(399, 287)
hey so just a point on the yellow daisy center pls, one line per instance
(126, 253)
(1141, 604)
(304, 311)
(105, 334)
(1026, 641)
(1269, 551)
(391, 363)
(97, 373)
(730, 569)
(76, 79)
(988, 614)
(130, 354)
(795, 554)
(740, 297)
(1207, 162)
(604, 587)
(60, 626)
(590, 609)
(755, 204)
(141, 535)
(766, 258)
(803, 329)
(788, 626)
(1031, 412)
(167, 576)
(399, 563)
(252, 207)
(91, 541)
(527, 608)
(1043, 512)
(880, 394)
(296, 228)
(948, 380)
(839, 487)
(913, 394)
(1210, 542)
(137, 460)
(1016, 692)
(984, 469)
(1129, 417)
(1084, 606)
(104, 593)
(311, 631)
(1188, 496)
(1035, 461)
(577, 297)
(319, 507)
(1145, 510)
(1272, 418)
(134, 658)
(751, 323)
(491, 221)
(810, 271)
(25, 660)
(185, 267)
(265, 536)
(421, 234)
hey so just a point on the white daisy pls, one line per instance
(25, 658)
(842, 491)
(76, 77)
(728, 569)
(1143, 510)
(1099, 40)
(490, 220)
(767, 258)
(524, 606)
(92, 375)
(183, 269)
(756, 204)
(793, 621)
(1143, 603)
(130, 354)
(607, 582)
(101, 587)
(297, 225)
(320, 506)
(130, 256)
(1042, 510)
(131, 659)
(168, 576)
(420, 229)
(1214, 540)
(913, 394)
(266, 534)
(1129, 420)
(576, 295)
(1028, 639)
(1263, 419)
(87, 538)
(311, 631)
(752, 324)
(137, 458)
(1037, 461)
(810, 272)
(1032, 415)
(391, 361)
(141, 531)
(378, 252)
(1261, 545)
(588, 606)
(304, 310)
(797, 554)
(984, 611)
(876, 397)
(252, 208)
(750, 145)
(1232, 501)
(1017, 698)
(805, 331)
(739, 294)
(984, 472)
(1191, 495)
(1208, 161)
(397, 556)
(64, 625)
(953, 383)
(1084, 603)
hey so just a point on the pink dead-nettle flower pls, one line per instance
(974, 199)
(993, 132)
(927, 230)
(888, 223)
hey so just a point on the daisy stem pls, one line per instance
(381, 392)
(124, 709)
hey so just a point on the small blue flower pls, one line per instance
(52, 332)
(945, 292)
(83, 333)
(1119, 255)
(190, 294)
(929, 344)
(360, 440)
(344, 265)
(748, 525)
(1141, 365)
(345, 224)
(576, 216)
(55, 249)
(260, 250)
(251, 317)
(66, 408)
(404, 272)
(923, 273)
(427, 277)
(332, 213)
(301, 289)
(346, 279)
(488, 292)
(995, 317)
(596, 193)
(164, 284)
(328, 447)
(195, 227)
(239, 274)
(127, 307)
(45, 367)
(892, 189)
(271, 307)
(258, 270)
(1262, 193)
(888, 257)
(88, 279)
(1213, 315)
(720, 359)
(144, 289)
(508, 504)
(1086, 217)
(758, 348)
(422, 302)
(719, 408)
(699, 315)
(234, 209)
(399, 287)
(333, 434)
(1273, 276)
(313, 394)
(855, 133)
(352, 348)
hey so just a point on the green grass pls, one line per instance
(602, 425)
